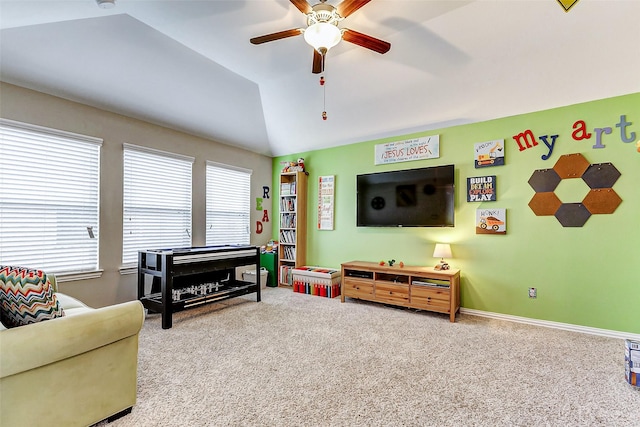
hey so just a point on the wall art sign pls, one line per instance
(326, 189)
(489, 153)
(426, 147)
(527, 139)
(481, 189)
(265, 212)
(491, 221)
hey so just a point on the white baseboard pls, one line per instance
(548, 324)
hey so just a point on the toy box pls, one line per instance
(632, 362)
(320, 281)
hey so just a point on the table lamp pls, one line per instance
(442, 251)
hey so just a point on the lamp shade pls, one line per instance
(442, 250)
(322, 36)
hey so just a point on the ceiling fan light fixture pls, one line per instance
(322, 36)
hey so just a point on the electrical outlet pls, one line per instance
(533, 293)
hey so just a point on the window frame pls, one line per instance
(209, 192)
(89, 150)
(129, 265)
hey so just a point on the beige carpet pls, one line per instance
(301, 360)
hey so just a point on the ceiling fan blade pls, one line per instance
(302, 5)
(364, 40)
(277, 36)
(318, 62)
(347, 7)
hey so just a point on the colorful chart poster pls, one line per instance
(491, 221)
(481, 189)
(489, 153)
(427, 147)
(326, 188)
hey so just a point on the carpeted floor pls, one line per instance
(301, 360)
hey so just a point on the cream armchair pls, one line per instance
(75, 370)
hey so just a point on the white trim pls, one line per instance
(50, 131)
(81, 275)
(549, 324)
(128, 269)
(140, 148)
(224, 166)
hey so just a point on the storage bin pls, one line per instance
(632, 362)
(250, 276)
(320, 281)
(269, 261)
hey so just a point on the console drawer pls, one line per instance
(392, 292)
(357, 288)
(430, 298)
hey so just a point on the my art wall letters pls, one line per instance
(526, 139)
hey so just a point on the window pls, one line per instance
(49, 195)
(156, 201)
(228, 200)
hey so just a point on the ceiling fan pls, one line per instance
(322, 30)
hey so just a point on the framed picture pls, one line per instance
(326, 189)
(481, 189)
(426, 147)
(491, 221)
(489, 153)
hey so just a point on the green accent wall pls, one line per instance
(587, 275)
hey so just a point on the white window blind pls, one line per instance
(49, 196)
(156, 201)
(228, 201)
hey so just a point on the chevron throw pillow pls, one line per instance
(27, 296)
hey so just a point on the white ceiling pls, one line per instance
(188, 65)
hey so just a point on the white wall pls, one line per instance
(28, 106)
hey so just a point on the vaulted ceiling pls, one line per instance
(188, 65)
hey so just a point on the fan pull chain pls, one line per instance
(324, 98)
(324, 93)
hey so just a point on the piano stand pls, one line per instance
(188, 277)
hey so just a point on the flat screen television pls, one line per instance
(421, 197)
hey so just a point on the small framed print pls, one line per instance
(481, 189)
(489, 153)
(491, 221)
(326, 189)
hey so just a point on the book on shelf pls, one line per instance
(289, 252)
(287, 236)
(286, 275)
(434, 283)
(288, 220)
(288, 204)
(288, 188)
(285, 189)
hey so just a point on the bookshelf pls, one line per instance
(293, 225)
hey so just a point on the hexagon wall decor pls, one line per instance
(571, 166)
(601, 175)
(546, 203)
(544, 180)
(572, 214)
(601, 199)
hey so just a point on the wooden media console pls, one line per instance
(423, 288)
